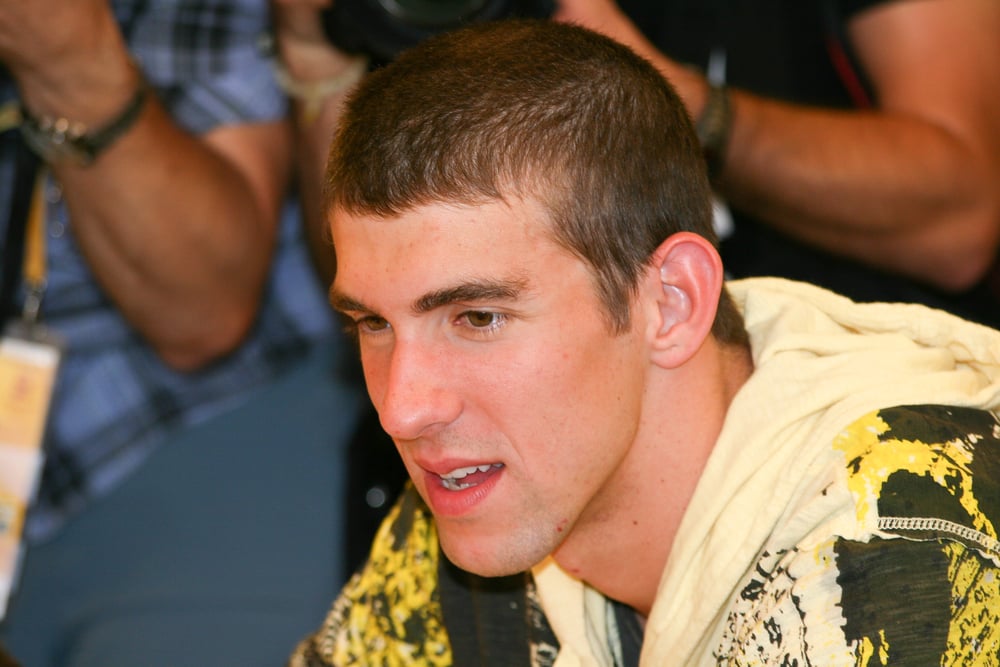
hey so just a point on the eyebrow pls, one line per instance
(476, 290)
(345, 304)
(486, 290)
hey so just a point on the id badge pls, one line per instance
(29, 361)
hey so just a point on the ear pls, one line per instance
(682, 288)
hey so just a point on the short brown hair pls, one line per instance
(542, 109)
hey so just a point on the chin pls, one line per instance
(499, 560)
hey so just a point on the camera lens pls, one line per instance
(382, 29)
(433, 13)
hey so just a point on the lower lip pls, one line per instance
(447, 503)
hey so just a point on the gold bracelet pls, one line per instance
(312, 94)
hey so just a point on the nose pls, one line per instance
(416, 399)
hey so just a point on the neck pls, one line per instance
(622, 545)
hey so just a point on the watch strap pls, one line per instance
(57, 139)
(713, 128)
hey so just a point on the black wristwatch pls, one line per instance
(61, 140)
(713, 128)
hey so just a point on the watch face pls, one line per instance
(55, 144)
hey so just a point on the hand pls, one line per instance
(301, 39)
(606, 17)
(68, 57)
(41, 36)
(297, 23)
(601, 15)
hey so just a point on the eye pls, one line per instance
(370, 324)
(484, 319)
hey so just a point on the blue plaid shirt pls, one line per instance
(115, 400)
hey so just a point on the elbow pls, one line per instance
(197, 351)
(962, 273)
(968, 256)
(962, 237)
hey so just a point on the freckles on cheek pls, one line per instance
(374, 370)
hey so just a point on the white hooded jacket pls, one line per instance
(821, 363)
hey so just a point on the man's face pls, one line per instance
(491, 363)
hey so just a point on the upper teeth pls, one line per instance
(460, 473)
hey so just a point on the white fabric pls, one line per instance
(821, 362)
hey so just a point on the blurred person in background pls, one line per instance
(318, 76)
(854, 144)
(851, 142)
(199, 402)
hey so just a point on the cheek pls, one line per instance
(601, 398)
(375, 367)
(571, 390)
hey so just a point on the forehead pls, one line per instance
(441, 243)
(492, 216)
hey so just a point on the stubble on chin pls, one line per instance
(494, 557)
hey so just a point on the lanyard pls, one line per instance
(24, 251)
(29, 361)
(35, 268)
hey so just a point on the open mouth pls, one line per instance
(464, 478)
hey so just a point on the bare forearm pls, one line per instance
(178, 230)
(176, 237)
(910, 187)
(312, 143)
(313, 64)
(893, 190)
(890, 188)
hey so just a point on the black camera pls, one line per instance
(381, 29)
